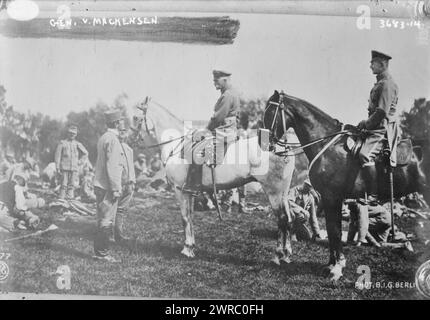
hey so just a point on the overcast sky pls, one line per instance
(324, 60)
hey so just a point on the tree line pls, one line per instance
(37, 135)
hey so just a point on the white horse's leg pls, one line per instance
(185, 205)
(276, 184)
(284, 249)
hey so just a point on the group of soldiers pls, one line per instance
(116, 174)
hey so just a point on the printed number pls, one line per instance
(382, 23)
(402, 24)
(212, 309)
(395, 23)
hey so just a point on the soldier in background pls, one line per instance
(16, 202)
(142, 172)
(7, 163)
(67, 162)
(49, 176)
(302, 204)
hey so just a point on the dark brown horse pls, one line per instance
(333, 171)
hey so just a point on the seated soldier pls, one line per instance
(6, 165)
(49, 176)
(16, 203)
(373, 224)
(302, 205)
(87, 185)
(28, 167)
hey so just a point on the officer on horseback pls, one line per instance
(226, 110)
(381, 124)
(224, 120)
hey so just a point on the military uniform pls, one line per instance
(128, 180)
(383, 96)
(226, 110)
(306, 201)
(224, 121)
(67, 162)
(108, 173)
(372, 223)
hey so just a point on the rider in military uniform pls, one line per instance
(224, 120)
(381, 124)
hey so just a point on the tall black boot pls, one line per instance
(194, 178)
(371, 182)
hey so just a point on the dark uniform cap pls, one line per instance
(112, 116)
(219, 74)
(380, 55)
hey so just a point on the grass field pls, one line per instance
(232, 259)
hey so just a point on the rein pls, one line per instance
(287, 150)
(280, 107)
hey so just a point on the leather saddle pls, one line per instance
(207, 149)
(404, 151)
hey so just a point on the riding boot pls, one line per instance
(194, 178)
(371, 182)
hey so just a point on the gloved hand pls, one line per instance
(361, 125)
(115, 195)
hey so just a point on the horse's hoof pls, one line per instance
(336, 273)
(285, 260)
(326, 270)
(276, 261)
(188, 252)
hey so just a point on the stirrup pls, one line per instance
(372, 200)
(192, 191)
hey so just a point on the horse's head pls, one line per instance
(140, 121)
(277, 117)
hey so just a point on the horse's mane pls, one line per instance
(169, 112)
(294, 101)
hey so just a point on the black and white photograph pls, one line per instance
(215, 150)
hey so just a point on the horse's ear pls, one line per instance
(276, 93)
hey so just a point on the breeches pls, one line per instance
(69, 181)
(371, 148)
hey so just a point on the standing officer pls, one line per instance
(107, 183)
(381, 124)
(67, 162)
(128, 182)
(226, 116)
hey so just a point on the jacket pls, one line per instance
(67, 155)
(109, 165)
(226, 107)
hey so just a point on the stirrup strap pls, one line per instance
(331, 142)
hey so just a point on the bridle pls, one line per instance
(280, 110)
(288, 151)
